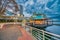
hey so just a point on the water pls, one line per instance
(53, 29)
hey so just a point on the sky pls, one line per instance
(48, 7)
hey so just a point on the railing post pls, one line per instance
(31, 30)
(43, 35)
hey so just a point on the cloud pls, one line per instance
(21, 1)
(27, 14)
(44, 6)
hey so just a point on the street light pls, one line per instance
(18, 15)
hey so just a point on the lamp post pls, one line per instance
(16, 16)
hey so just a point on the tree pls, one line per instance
(4, 4)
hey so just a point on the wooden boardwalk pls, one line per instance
(14, 32)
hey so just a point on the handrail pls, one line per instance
(43, 35)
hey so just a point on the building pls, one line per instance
(21, 9)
